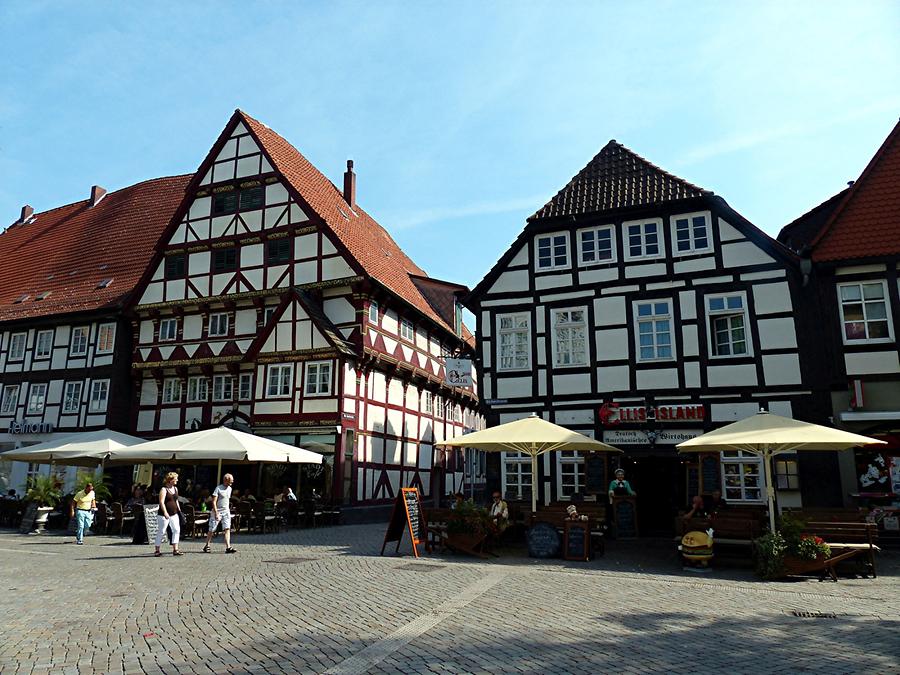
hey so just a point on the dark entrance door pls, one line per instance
(659, 483)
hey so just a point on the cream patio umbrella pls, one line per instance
(532, 436)
(767, 435)
(90, 448)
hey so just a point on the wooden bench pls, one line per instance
(556, 515)
(734, 527)
(436, 528)
(847, 540)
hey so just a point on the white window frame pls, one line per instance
(170, 321)
(35, 387)
(74, 341)
(500, 332)
(106, 333)
(407, 330)
(171, 390)
(427, 402)
(197, 389)
(10, 399)
(248, 378)
(274, 377)
(314, 374)
(566, 460)
(72, 394)
(373, 312)
(219, 321)
(222, 388)
(660, 239)
(514, 467)
(740, 459)
(673, 233)
(17, 344)
(554, 265)
(653, 318)
(99, 396)
(569, 327)
(38, 353)
(612, 243)
(887, 308)
(719, 313)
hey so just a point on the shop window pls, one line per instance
(552, 251)
(742, 477)
(514, 341)
(78, 346)
(865, 312)
(654, 330)
(569, 337)
(787, 475)
(99, 396)
(72, 397)
(44, 344)
(728, 323)
(517, 479)
(596, 245)
(570, 473)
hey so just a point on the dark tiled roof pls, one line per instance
(866, 224)
(800, 232)
(617, 178)
(70, 250)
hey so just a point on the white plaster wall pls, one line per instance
(731, 412)
(513, 387)
(192, 326)
(635, 270)
(690, 345)
(145, 332)
(663, 378)
(694, 265)
(691, 375)
(510, 282)
(732, 376)
(572, 384)
(612, 343)
(871, 363)
(781, 369)
(587, 277)
(521, 257)
(727, 232)
(610, 311)
(744, 253)
(772, 298)
(777, 333)
(553, 281)
(613, 378)
(245, 322)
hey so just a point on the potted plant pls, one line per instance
(789, 550)
(467, 528)
(45, 492)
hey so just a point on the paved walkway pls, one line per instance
(323, 600)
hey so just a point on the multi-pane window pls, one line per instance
(222, 388)
(596, 245)
(245, 386)
(79, 341)
(99, 396)
(252, 198)
(727, 325)
(224, 259)
(742, 479)
(457, 414)
(37, 398)
(72, 397)
(218, 325)
(17, 343)
(373, 312)
(787, 474)
(552, 251)
(571, 473)
(106, 338)
(197, 389)
(43, 344)
(407, 332)
(514, 340)
(516, 475)
(225, 202)
(318, 378)
(642, 239)
(427, 402)
(278, 384)
(171, 392)
(654, 330)
(278, 251)
(691, 233)
(865, 312)
(168, 329)
(569, 337)
(174, 266)
(10, 399)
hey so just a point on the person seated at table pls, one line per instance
(458, 500)
(11, 495)
(248, 496)
(137, 497)
(572, 513)
(619, 487)
(499, 512)
(714, 503)
(204, 500)
(287, 495)
(698, 509)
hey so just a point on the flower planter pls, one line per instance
(40, 521)
(466, 542)
(794, 565)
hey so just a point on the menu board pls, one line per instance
(709, 469)
(625, 517)
(406, 516)
(577, 544)
(595, 482)
(543, 541)
(27, 524)
(693, 481)
(150, 520)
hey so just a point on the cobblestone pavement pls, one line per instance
(323, 600)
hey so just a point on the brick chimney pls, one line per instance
(27, 212)
(97, 194)
(350, 185)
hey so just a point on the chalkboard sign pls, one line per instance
(577, 544)
(150, 513)
(406, 515)
(27, 524)
(625, 517)
(543, 541)
(595, 482)
(693, 481)
(710, 472)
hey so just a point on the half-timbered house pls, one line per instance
(641, 309)
(65, 349)
(278, 304)
(850, 248)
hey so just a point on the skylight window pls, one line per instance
(21, 298)
(104, 283)
(42, 296)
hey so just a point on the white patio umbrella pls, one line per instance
(532, 436)
(767, 435)
(90, 448)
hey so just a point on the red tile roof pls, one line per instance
(366, 240)
(68, 251)
(800, 232)
(866, 224)
(617, 178)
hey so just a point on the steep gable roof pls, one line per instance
(617, 178)
(801, 231)
(68, 251)
(866, 224)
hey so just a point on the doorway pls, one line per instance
(660, 489)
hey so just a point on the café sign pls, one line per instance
(19, 427)
(637, 437)
(612, 414)
(458, 372)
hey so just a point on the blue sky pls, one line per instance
(463, 118)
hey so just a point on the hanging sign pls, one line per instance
(406, 515)
(458, 372)
(612, 414)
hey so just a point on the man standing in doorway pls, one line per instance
(221, 513)
(83, 506)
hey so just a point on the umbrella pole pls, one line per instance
(534, 483)
(770, 489)
(218, 472)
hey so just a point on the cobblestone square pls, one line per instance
(324, 600)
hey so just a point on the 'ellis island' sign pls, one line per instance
(17, 427)
(612, 413)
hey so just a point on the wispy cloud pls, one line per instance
(417, 218)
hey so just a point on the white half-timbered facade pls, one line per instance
(277, 303)
(641, 310)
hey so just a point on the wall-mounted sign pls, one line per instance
(17, 427)
(638, 437)
(458, 372)
(613, 413)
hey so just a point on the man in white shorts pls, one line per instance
(221, 513)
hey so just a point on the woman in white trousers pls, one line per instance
(168, 513)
